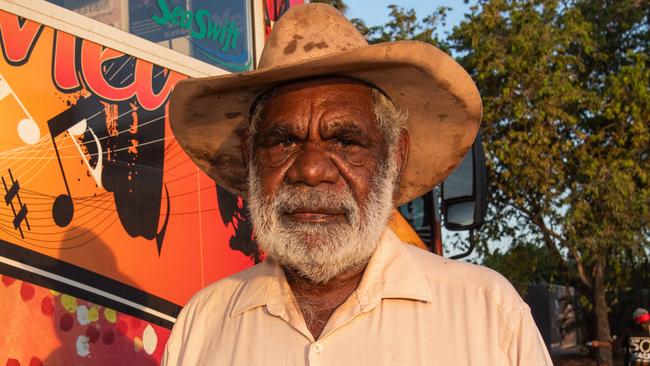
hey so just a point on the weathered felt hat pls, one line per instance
(207, 115)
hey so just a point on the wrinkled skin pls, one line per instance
(321, 132)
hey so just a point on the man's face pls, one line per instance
(321, 177)
(315, 134)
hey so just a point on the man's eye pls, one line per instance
(346, 142)
(287, 142)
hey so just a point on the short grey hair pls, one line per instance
(392, 120)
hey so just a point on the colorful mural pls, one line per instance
(45, 327)
(107, 228)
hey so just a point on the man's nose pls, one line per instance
(312, 167)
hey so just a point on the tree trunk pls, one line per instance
(603, 332)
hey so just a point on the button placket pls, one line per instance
(315, 350)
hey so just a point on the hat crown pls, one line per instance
(308, 31)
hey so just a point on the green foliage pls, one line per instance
(524, 264)
(403, 24)
(565, 88)
(566, 95)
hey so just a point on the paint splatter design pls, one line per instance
(72, 331)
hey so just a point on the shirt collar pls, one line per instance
(391, 273)
(256, 288)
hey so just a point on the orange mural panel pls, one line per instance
(100, 202)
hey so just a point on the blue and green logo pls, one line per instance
(217, 39)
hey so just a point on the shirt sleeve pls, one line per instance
(177, 342)
(172, 349)
(524, 345)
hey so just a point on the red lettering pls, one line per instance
(92, 57)
(144, 89)
(17, 41)
(64, 69)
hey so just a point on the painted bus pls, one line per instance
(107, 228)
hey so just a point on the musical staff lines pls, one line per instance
(94, 216)
(65, 210)
(29, 152)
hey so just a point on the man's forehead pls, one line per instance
(322, 82)
(321, 87)
(335, 98)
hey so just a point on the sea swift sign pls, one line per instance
(217, 31)
(200, 25)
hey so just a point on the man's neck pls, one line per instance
(317, 301)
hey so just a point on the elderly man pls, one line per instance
(324, 139)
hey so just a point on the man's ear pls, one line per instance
(402, 154)
(245, 148)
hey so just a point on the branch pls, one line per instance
(581, 268)
(548, 235)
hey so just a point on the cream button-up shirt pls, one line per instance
(412, 307)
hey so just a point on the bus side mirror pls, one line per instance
(464, 192)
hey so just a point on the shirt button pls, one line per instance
(318, 348)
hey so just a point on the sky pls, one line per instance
(375, 12)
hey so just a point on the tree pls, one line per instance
(524, 264)
(403, 24)
(566, 95)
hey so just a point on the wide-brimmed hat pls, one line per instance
(207, 115)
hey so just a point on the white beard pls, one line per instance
(320, 252)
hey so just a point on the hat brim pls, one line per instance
(208, 115)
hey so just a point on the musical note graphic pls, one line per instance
(78, 130)
(5, 90)
(28, 130)
(70, 121)
(10, 194)
(120, 147)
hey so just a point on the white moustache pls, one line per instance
(290, 199)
